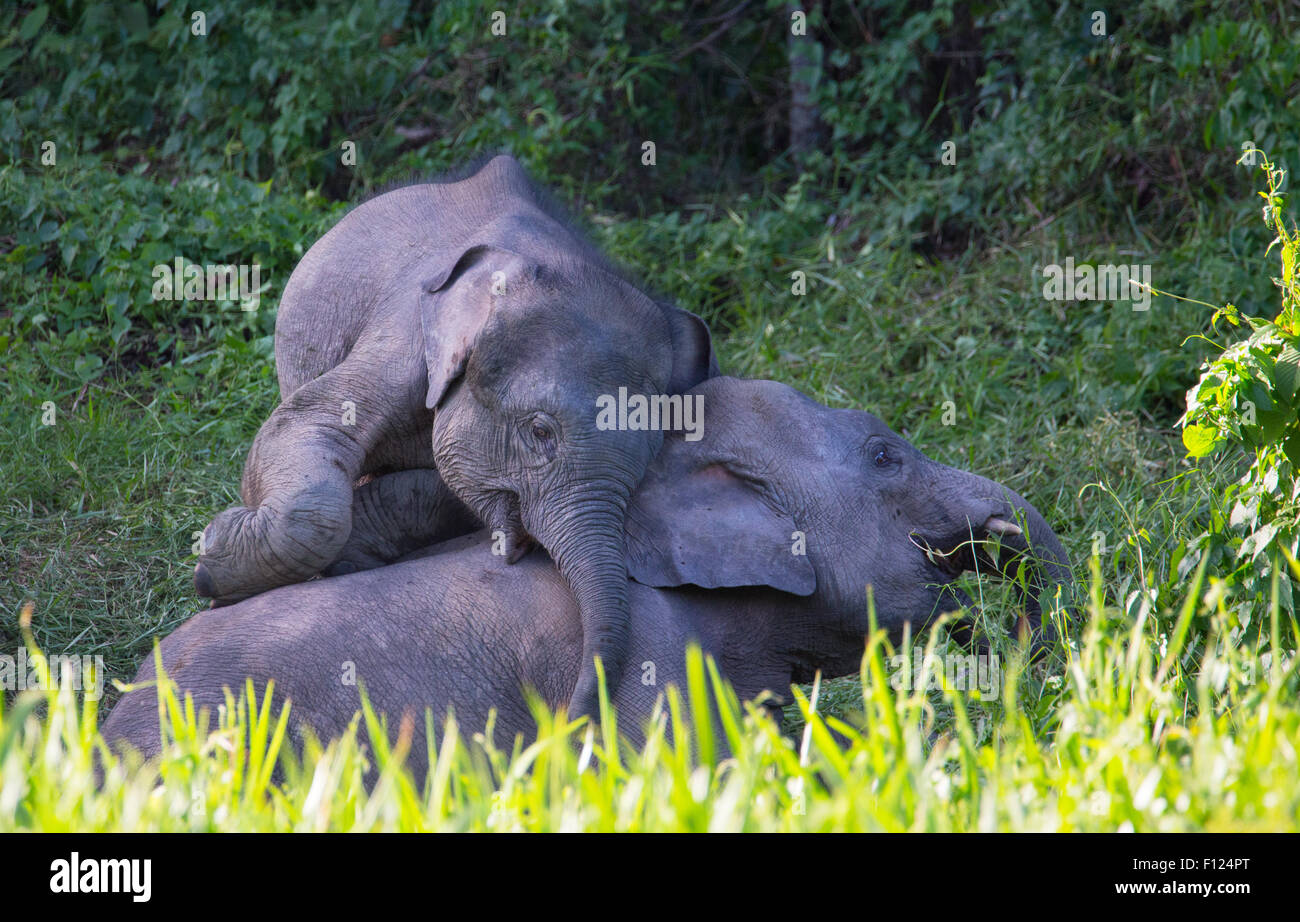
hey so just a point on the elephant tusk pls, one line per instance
(1000, 526)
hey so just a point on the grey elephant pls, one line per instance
(462, 326)
(757, 541)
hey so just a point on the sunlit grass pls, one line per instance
(1134, 728)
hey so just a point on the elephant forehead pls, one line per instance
(772, 412)
(791, 415)
(558, 344)
(580, 290)
(577, 391)
(578, 310)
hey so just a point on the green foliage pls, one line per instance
(265, 84)
(1254, 68)
(79, 268)
(1248, 398)
(273, 90)
(1134, 734)
(1038, 107)
(1050, 124)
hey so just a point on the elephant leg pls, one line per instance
(397, 513)
(297, 488)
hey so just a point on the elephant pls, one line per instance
(757, 542)
(461, 326)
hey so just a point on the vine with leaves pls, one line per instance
(1247, 398)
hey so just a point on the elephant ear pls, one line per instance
(712, 527)
(453, 312)
(693, 357)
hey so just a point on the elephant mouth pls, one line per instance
(995, 544)
(1001, 547)
(501, 511)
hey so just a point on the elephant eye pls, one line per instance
(541, 429)
(878, 451)
(540, 436)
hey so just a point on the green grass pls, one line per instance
(1131, 733)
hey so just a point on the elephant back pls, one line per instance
(367, 270)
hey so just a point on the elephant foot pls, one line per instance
(509, 537)
(226, 541)
(212, 603)
(248, 551)
(520, 546)
(206, 587)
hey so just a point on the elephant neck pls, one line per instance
(763, 640)
(806, 635)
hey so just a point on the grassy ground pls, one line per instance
(1074, 405)
(1124, 738)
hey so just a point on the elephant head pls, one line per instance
(520, 351)
(821, 503)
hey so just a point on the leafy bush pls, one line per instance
(79, 266)
(1248, 398)
(1037, 106)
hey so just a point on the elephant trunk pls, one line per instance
(585, 538)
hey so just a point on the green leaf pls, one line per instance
(1287, 371)
(86, 366)
(1292, 449)
(1199, 440)
(1272, 423)
(32, 22)
(135, 19)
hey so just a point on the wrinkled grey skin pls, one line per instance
(458, 628)
(469, 311)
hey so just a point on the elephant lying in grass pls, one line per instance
(464, 326)
(714, 535)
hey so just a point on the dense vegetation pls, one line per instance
(958, 149)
